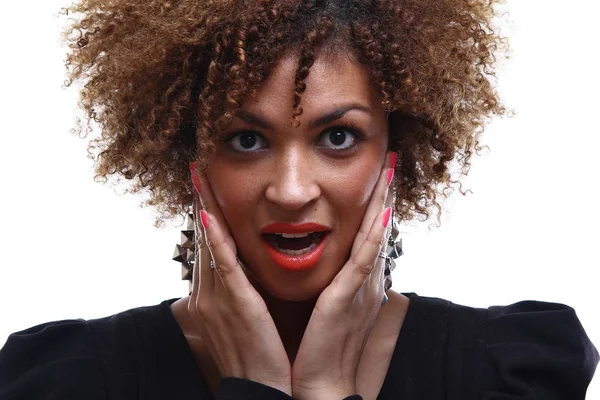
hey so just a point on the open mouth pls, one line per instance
(295, 251)
(294, 244)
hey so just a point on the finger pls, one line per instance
(376, 277)
(389, 203)
(209, 203)
(203, 276)
(376, 202)
(225, 261)
(360, 266)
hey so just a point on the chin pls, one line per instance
(294, 290)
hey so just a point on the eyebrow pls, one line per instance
(331, 116)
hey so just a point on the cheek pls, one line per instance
(352, 187)
(234, 190)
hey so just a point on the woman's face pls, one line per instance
(267, 171)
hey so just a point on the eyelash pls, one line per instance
(358, 138)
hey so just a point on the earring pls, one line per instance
(393, 251)
(185, 253)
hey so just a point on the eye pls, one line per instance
(247, 141)
(339, 138)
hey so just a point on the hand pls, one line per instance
(327, 360)
(229, 314)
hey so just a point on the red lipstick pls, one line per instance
(281, 227)
(295, 262)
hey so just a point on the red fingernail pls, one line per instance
(195, 179)
(390, 176)
(204, 219)
(386, 216)
(393, 159)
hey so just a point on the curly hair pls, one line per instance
(162, 77)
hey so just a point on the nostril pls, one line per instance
(292, 196)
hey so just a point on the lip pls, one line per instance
(280, 227)
(296, 263)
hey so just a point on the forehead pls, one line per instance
(332, 80)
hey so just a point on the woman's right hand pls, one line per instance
(229, 314)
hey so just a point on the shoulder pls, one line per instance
(47, 357)
(529, 348)
(70, 358)
(543, 344)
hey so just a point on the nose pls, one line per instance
(294, 183)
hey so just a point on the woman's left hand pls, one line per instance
(328, 357)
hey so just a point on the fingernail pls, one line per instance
(390, 176)
(393, 159)
(386, 216)
(204, 219)
(195, 179)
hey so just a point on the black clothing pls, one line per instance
(528, 350)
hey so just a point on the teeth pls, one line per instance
(293, 235)
(297, 252)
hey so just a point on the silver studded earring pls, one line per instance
(393, 251)
(185, 253)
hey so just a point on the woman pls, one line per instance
(292, 130)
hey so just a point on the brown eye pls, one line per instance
(246, 142)
(338, 139)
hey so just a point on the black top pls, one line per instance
(528, 350)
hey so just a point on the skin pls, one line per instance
(298, 175)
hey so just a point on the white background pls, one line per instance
(72, 248)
